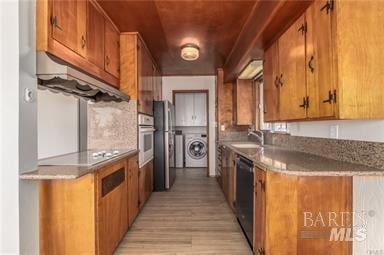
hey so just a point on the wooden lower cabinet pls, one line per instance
(228, 167)
(287, 210)
(133, 189)
(112, 216)
(145, 183)
(91, 214)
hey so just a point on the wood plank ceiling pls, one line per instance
(213, 25)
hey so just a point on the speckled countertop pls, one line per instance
(291, 162)
(70, 172)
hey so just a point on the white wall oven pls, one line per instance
(146, 135)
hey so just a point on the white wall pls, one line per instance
(171, 83)
(372, 130)
(9, 127)
(58, 124)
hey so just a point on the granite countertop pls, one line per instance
(272, 158)
(70, 172)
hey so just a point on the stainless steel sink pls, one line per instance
(246, 145)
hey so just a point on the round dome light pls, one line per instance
(189, 52)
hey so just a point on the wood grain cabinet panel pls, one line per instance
(95, 40)
(137, 71)
(157, 86)
(133, 189)
(145, 183)
(288, 209)
(271, 87)
(112, 50)
(292, 76)
(112, 208)
(68, 22)
(321, 83)
(244, 103)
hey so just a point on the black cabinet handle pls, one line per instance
(330, 98)
(304, 103)
(328, 6)
(261, 251)
(277, 81)
(281, 82)
(310, 64)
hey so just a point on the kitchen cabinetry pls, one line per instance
(281, 229)
(112, 207)
(145, 183)
(137, 71)
(73, 31)
(157, 86)
(271, 88)
(291, 72)
(333, 82)
(112, 49)
(88, 215)
(244, 103)
(191, 109)
(95, 28)
(227, 177)
(133, 189)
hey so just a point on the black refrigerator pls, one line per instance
(164, 145)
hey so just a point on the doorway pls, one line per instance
(192, 128)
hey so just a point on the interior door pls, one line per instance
(112, 49)
(69, 24)
(319, 68)
(292, 72)
(200, 109)
(95, 32)
(271, 87)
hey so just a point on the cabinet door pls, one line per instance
(157, 87)
(95, 32)
(200, 109)
(244, 102)
(189, 111)
(292, 72)
(112, 207)
(142, 193)
(145, 81)
(319, 68)
(180, 109)
(148, 180)
(259, 211)
(271, 85)
(112, 50)
(133, 189)
(69, 24)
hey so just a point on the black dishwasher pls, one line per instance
(244, 196)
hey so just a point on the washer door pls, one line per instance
(197, 149)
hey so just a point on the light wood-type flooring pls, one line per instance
(192, 218)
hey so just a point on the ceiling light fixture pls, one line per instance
(190, 52)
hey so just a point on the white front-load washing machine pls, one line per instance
(196, 150)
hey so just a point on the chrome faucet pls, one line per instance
(258, 134)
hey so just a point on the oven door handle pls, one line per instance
(147, 130)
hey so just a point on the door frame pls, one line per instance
(205, 91)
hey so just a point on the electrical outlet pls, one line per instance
(334, 131)
(222, 127)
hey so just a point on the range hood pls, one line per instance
(59, 77)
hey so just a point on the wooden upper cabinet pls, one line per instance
(292, 75)
(68, 22)
(321, 83)
(112, 49)
(157, 85)
(244, 103)
(95, 30)
(137, 71)
(271, 87)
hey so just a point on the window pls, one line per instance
(273, 127)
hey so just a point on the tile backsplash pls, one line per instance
(112, 125)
